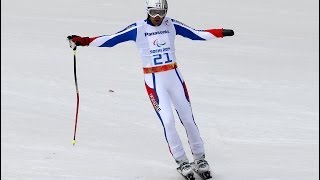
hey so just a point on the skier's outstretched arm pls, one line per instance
(188, 32)
(127, 34)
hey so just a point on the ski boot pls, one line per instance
(202, 168)
(185, 170)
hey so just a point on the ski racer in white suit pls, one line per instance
(164, 83)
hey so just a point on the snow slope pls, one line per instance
(254, 96)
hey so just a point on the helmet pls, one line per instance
(156, 5)
(159, 4)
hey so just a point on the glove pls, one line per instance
(227, 32)
(75, 41)
(219, 33)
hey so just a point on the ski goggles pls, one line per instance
(153, 12)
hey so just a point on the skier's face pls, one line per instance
(156, 15)
(156, 20)
(153, 12)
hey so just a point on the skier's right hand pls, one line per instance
(75, 41)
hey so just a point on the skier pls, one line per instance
(164, 83)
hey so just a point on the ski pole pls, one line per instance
(76, 83)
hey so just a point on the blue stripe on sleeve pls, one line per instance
(128, 36)
(186, 33)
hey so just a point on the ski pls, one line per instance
(188, 177)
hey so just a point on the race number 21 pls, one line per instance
(158, 57)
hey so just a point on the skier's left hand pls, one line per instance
(227, 32)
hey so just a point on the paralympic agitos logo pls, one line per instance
(158, 43)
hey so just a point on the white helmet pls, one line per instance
(157, 7)
(158, 4)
